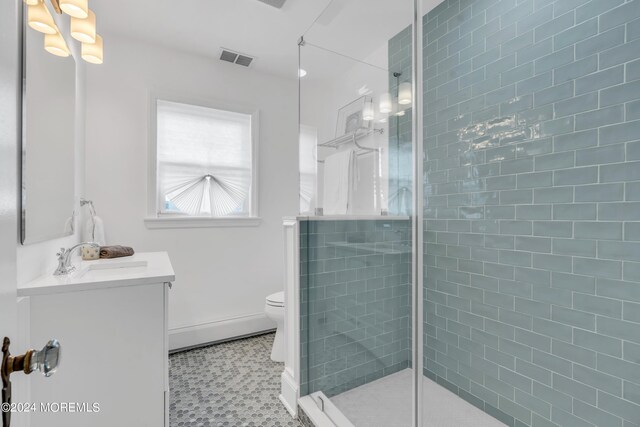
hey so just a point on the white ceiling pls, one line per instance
(202, 27)
(356, 28)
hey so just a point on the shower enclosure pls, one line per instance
(469, 237)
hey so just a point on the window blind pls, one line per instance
(204, 160)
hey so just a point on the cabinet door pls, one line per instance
(114, 354)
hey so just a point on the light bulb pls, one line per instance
(367, 111)
(404, 93)
(385, 103)
(56, 45)
(75, 8)
(93, 52)
(302, 72)
(40, 19)
(84, 30)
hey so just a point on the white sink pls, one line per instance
(107, 267)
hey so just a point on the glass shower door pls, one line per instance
(356, 238)
(485, 271)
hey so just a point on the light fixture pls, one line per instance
(55, 44)
(385, 103)
(404, 93)
(84, 30)
(400, 113)
(93, 52)
(383, 120)
(302, 72)
(76, 8)
(367, 111)
(40, 19)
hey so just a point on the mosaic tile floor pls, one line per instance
(229, 384)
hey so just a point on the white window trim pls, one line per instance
(155, 219)
(200, 222)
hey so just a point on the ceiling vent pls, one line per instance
(235, 57)
(275, 3)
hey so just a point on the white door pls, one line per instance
(9, 142)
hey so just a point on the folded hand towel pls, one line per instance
(115, 251)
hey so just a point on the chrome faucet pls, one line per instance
(64, 258)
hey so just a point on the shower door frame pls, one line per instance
(417, 219)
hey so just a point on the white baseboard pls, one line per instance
(219, 330)
(294, 414)
(289, 393)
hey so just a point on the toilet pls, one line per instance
(274, 309)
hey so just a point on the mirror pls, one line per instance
(48, 140)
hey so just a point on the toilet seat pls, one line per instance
(276, 300)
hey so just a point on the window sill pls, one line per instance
(200, 222)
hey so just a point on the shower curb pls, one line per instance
(304, 418)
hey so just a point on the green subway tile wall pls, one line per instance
(355, 302)
(532, 259)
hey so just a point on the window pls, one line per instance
(205, 162)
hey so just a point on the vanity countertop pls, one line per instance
(140, 269)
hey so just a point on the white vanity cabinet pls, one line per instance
(110, 317)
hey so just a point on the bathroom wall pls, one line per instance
(533, 222)
(222, 274)
(355, 290)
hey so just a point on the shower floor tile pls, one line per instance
(387, 403)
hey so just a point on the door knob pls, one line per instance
(46, 361)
